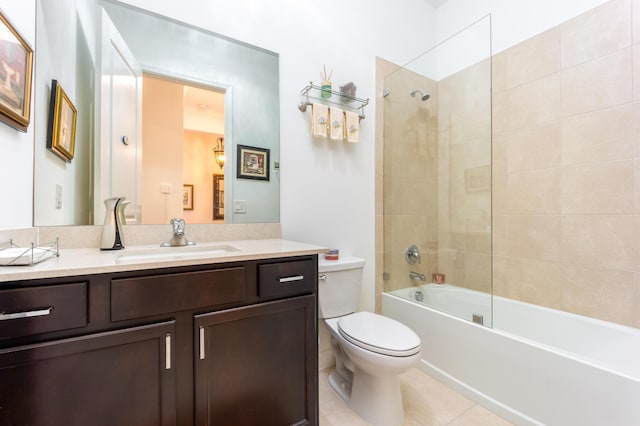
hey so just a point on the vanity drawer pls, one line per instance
(163, 294)
(35, 310)
(286, 278)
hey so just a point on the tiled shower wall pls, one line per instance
(565, 172)
(566, 166)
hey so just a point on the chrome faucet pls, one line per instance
(178, 238)
(417, 276)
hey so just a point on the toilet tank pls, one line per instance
(339, 284)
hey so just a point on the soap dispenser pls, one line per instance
(112, 237)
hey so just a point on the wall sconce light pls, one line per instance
(218, 152)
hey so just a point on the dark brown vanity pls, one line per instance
(231, 343)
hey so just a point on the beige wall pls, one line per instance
(162, 129)
(565, 170)
(199, 167)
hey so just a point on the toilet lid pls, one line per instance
(379, 334)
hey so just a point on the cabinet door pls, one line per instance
(258, 365)
(122, 377)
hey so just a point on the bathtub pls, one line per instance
(535, 366)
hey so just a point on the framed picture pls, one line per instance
(218, 197)
(187, 197)
(253, 163)
(61, 134)
(16, 68)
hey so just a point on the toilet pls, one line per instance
(371, 350)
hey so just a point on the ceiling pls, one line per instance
(436, 3)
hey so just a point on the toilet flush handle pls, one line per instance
(322, 277)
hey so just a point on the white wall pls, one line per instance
(512, 21)
(16, 159)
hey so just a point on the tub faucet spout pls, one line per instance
(417, 276)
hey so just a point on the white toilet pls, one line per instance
(371, 350)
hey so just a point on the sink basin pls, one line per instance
(174, 253)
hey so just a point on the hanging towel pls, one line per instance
(319, 120)
(336, 118)
(352, 126)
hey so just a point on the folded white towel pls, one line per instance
(352, 126)
(336, 118)
(319, 120)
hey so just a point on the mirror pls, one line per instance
(104, 53)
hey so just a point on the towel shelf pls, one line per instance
(345, 101)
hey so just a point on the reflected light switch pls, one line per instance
(239, 206)
(165, 188)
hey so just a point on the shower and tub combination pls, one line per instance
(529, 363)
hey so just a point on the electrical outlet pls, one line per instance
(58, 196)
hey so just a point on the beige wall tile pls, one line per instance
(600, 83)
(602, 30)
(535, 281)
(500, 269)
(598, 136)
(636, 184)
(534, 103)
(534, 192)
(599, 240)
(534, 58)
(499, 234)
(605, 188)
(499, 111)
(535, 147)
(499, 72)
(598, 293)
(478, 271)
(636, 72)
(635, 17)
(636, 129)
(534, 237)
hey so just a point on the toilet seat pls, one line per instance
(379, 334)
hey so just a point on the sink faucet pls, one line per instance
(417, 276)
(178, 238)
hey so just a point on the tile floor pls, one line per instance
(427, 402)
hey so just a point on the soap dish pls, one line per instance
(13, 255)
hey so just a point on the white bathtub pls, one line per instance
(535, 366)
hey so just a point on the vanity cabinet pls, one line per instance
(228, 343)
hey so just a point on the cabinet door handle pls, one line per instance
(201, 342)
(291, 279)
(26, 314)
(167, 351)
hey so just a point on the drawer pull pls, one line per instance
(291, 279)
(26, 314)
(167, 351)
(201, 342)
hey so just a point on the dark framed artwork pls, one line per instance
(187, 197)
(253, 163)
(218, 196)
(16, 68)
(61, 133)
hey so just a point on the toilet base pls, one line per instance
(376, 399)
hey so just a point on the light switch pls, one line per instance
(165, 188)
(239, 206)
(58, 196)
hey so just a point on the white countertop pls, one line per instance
(85, 261)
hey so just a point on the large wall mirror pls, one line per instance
(161, 109)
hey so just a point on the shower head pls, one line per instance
(423, 95)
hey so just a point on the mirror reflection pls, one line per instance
(161, 109)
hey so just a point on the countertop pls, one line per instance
(85, 261)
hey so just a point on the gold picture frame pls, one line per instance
(16, 69)
(61, 133)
